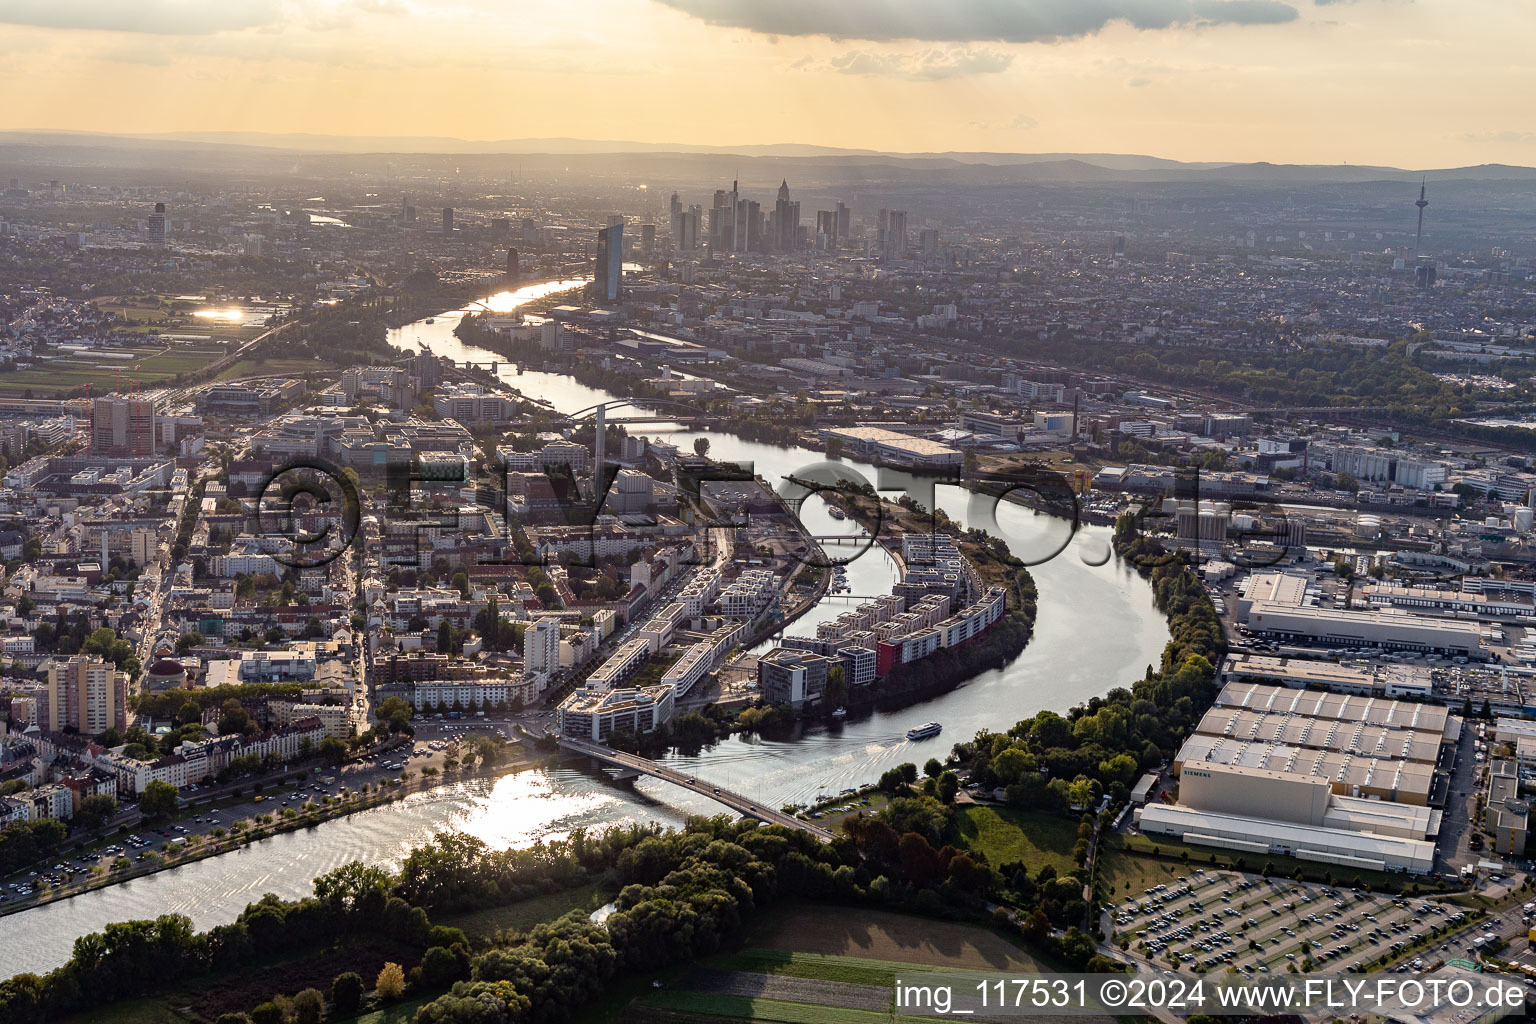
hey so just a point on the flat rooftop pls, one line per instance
(1347, 736)
(1347, 774)
(1382, 711)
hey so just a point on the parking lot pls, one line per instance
(1213, 920)
(208, 819)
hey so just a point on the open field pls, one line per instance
(894, 938)
(1006, 835)
(261, 367)
(824, 965)
(481, 924)
(149, 364)
(135, 1011)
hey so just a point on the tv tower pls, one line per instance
(1421, 203)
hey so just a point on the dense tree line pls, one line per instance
(24, 842)
(1064, 763)
(168, 704)
(453, 872)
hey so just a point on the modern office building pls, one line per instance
(156, 229)
(447, 220)
(792, 677)
(608, 277)
(596, 715)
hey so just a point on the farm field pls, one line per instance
(820, 965)
(149, 364)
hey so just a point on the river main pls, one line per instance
(1097, 628)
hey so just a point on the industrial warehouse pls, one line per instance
(1336, 778)
(1282, 605)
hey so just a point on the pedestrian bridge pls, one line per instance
(735, 801)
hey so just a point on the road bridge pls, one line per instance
(735, 801)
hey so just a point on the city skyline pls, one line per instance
(1219, 80)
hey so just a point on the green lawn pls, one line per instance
(1006, 835)
(402, 1012)
(1198, 856)
(481, 924)
(153, 1010)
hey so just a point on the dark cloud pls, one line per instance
(926, 66)
(1010, 21)
(160, 17)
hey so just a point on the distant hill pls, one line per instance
(218, 148)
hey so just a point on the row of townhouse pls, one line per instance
(195, 761)
(50, 800)
(962, 627)
(749, 594)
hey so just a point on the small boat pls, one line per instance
(836, 513)
(922, 732)
(840, 713)
(430, 320)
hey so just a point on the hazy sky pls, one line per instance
(1414, 83)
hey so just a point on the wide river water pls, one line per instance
(1097, 628)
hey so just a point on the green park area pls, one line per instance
(1007, 836)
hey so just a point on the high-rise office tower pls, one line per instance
(844, 224)
(405, 208)
(647, 238)
(786, 220)
(541, 647)
(512, 264)
(929, 241)
(123, 427)
(447, 220)
(896, 234)
(720, 211)
(687, 237)
(157, 226)
(426, 369)
(610, 262)
(85, 693)
(747, 225)
(826, 229)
